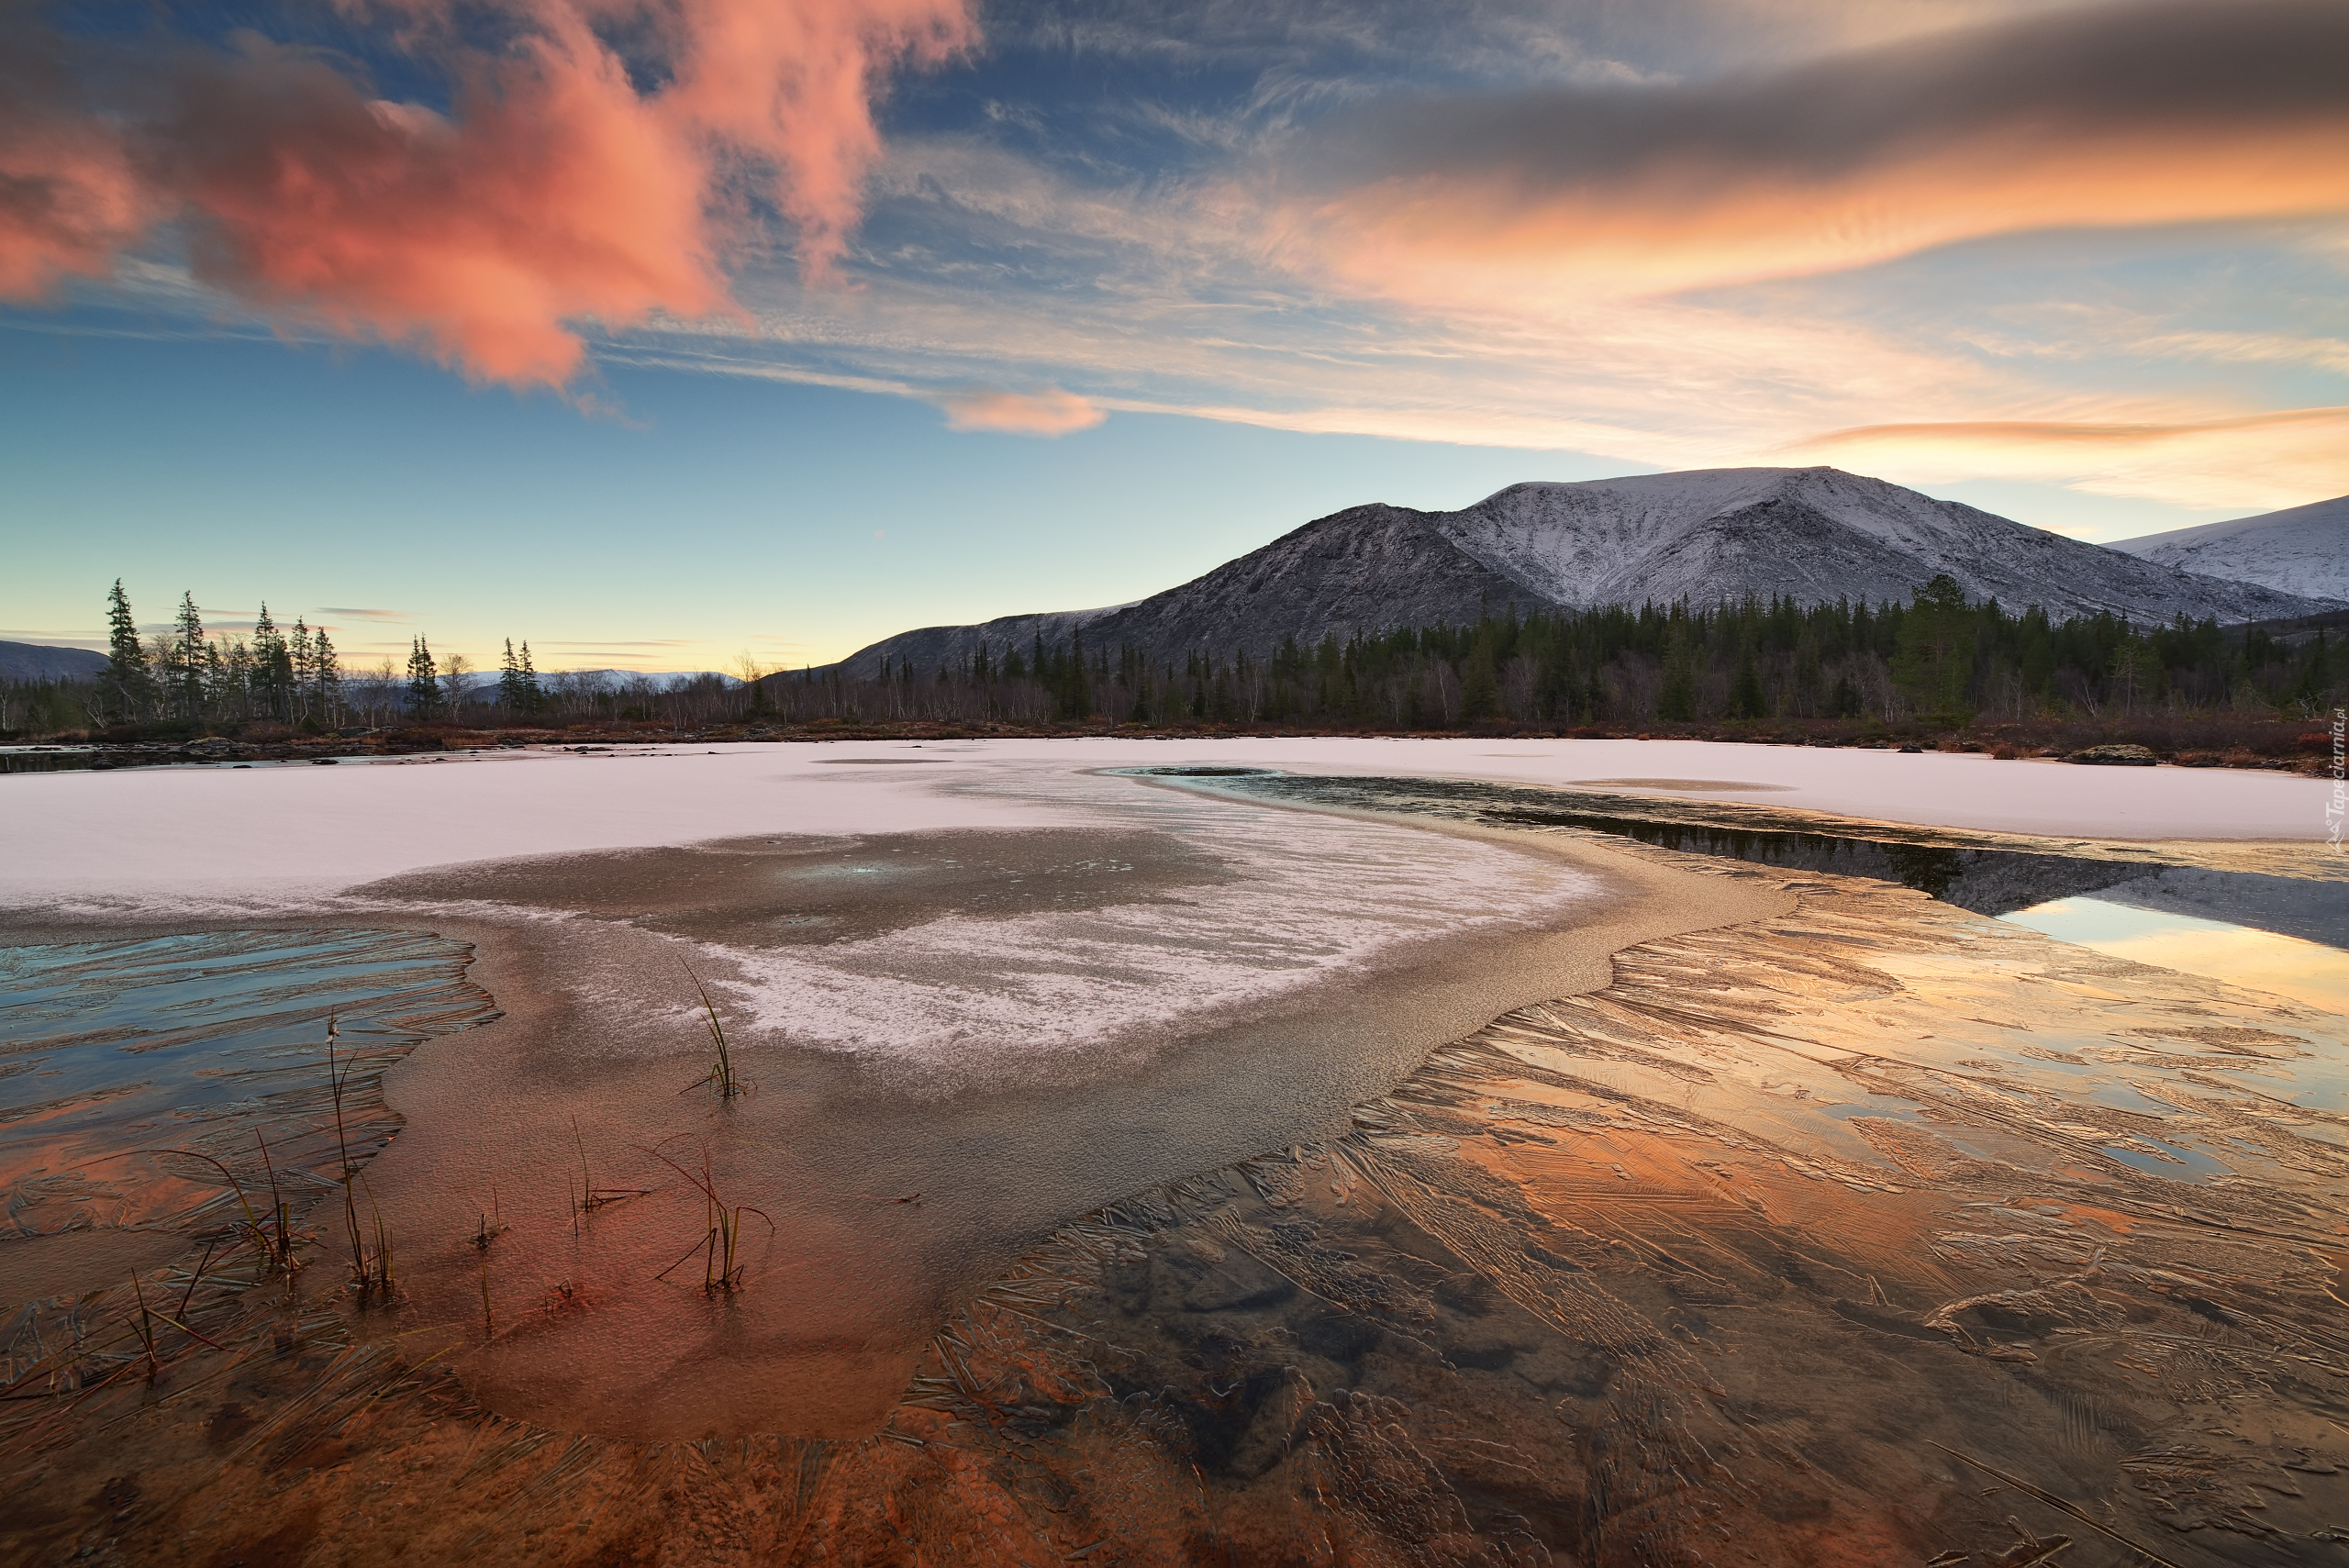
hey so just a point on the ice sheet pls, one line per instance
(1309, 895)
(242, 836)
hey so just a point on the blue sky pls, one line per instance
(1062, 305)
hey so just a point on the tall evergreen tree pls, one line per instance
(509, 680)
(1677, 699)
(1746, 698)
(1934, 649)
(127, 689)
(189, 665)
(423, 682)
(534, 696)
(222, 679)
(297, 657)
(272, 676)
(326, 678)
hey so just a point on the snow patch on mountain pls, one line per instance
(2301, 550)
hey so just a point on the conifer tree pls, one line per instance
(219, 681)
(297, 658)
(1746, 698)
(188, 664)
(127, 689)
(423, 682)
(326, 678)
(1677, 700)
(534, 696)
(272, 676)
(509, 680)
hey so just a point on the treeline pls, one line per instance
(193, 677)
(1938, 659)
(1937, 662)
(189, 675)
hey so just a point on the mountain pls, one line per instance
(2302, 549)
(1812, 534)
(40, 662)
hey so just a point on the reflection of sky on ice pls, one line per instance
(2306, 971)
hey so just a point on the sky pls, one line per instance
(664, 334)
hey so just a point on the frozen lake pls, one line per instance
(1145, 1133)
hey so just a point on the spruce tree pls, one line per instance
(423, 682)
(326, 678)
(271, 675)
(534, 696)
(297, 656)
(1676, 701)
(188, 663)
(509, 680)
(219, 681)
(1746, 698)
(126, 690)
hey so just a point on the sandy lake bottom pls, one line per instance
(1249, 1176)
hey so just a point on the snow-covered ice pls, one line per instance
(144, 836)
(1307, 895)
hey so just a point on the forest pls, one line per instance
(1938, 662)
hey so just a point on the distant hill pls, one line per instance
(1811, 534)
(40, 662)
(2302, 549)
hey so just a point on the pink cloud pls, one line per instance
(2281, 458)
(553, 192)
(69, 196)
(1047, 412)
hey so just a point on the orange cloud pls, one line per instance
(553, 192)
(1047, 412)
(69, 196)
(2253, 460)
(2179, 111)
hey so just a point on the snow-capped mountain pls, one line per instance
(2301, 550)
(1812, 534)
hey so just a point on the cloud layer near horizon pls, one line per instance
(2175, 111)
(551, 189)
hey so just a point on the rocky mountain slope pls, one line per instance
(2302, 549)
(1813, 534)
(40, 661)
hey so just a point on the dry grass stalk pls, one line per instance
(721, 1072)
(720, 1244)
(271, 1238)
(371, 1273)
(146, 1330)
(589, 1197)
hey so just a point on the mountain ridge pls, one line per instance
(47, 661)
(1812, 534)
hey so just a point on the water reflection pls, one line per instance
(1988, 874)
(195, 1041)
(2290, 966)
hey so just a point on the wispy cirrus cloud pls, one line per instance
(2140, 114)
